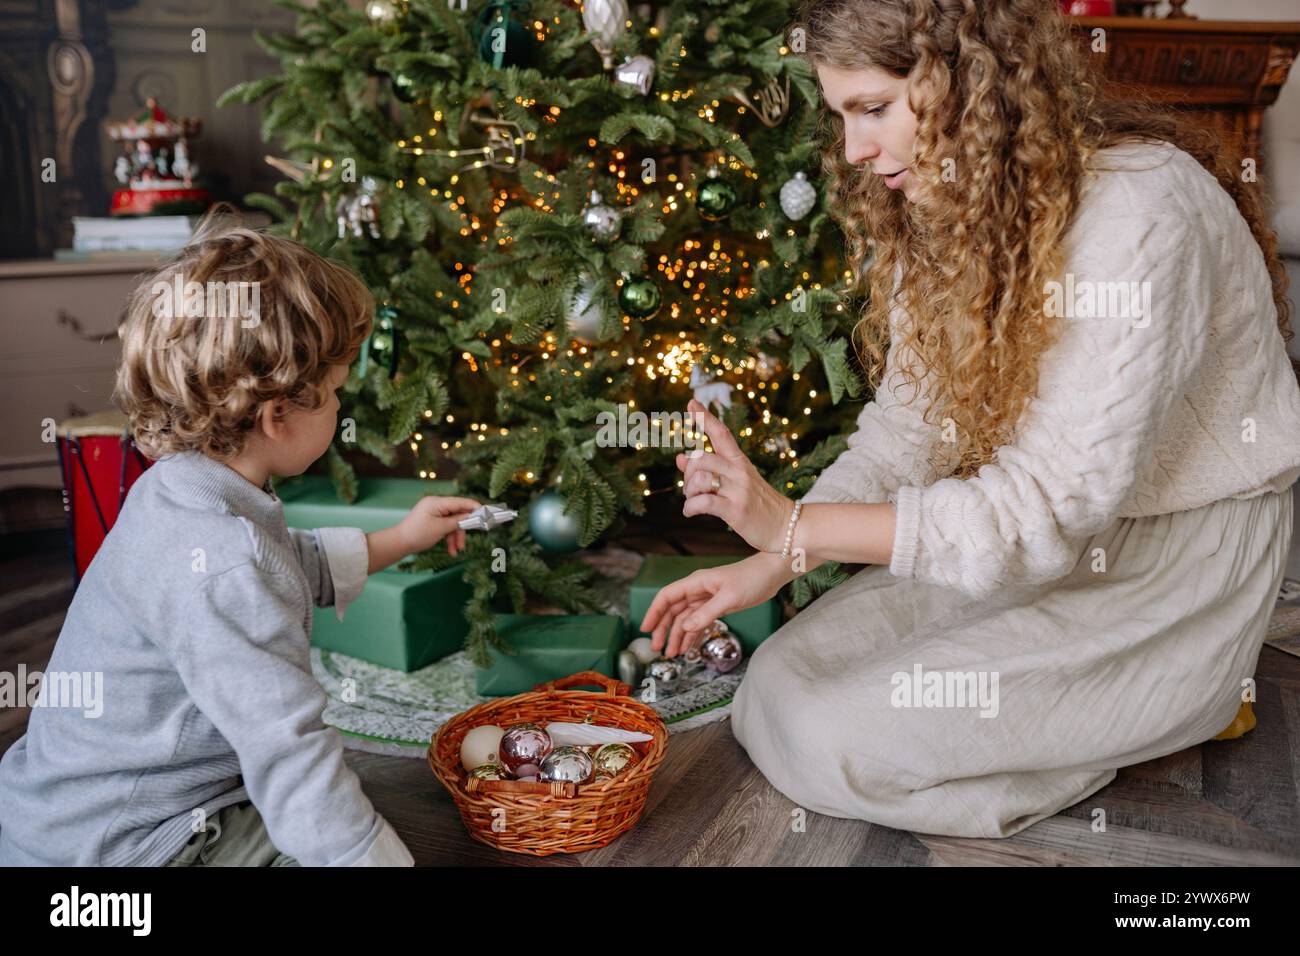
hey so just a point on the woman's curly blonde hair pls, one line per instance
(1002, 87)
(199, 382)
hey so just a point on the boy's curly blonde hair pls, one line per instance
(197, 378)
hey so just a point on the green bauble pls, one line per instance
(715, 199)
(381, 337)
(639, 297)
(550, 526)
(403, 87)
(382, 342)
(518, 43)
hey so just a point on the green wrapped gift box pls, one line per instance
(550, 646)
(752, 626)
(403, 621)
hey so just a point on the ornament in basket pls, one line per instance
(542, 817)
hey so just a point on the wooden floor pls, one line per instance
(1220, 803)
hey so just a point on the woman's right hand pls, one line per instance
(681, 611)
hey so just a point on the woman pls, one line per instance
(1074, 479)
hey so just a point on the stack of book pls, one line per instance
(94, 237)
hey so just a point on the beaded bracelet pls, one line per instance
(789, 529)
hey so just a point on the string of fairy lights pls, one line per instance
(674, 355)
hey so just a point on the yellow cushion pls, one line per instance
(1243, 722)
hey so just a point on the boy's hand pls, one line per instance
(434, 518)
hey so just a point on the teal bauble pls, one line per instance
(550, 527)
(639, 297)
(514, 38)
(715, 199)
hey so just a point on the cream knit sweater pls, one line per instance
(1191, 402)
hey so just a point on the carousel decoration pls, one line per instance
(155, 167)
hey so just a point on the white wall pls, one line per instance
(1282, 121)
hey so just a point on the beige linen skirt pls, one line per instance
(918, 707)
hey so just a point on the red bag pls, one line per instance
(99, 461)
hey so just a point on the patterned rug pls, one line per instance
(382, 710)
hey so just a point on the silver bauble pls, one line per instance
(572, 764)
(798, 196)
(523, 747)
(601, 220)
(637, 72)
(666, 672)
(722, 651)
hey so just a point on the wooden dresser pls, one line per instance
(1224, 72)
(58, 353)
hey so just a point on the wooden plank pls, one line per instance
(1219, 803)
(1134, 804)
(747, 824)
(1253, 777)
(1068, 841)
(32, 644)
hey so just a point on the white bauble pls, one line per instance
(481, 745)
(584, 312)
(606, 21)
(798, 196)
(644, 652)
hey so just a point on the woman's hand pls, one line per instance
(726, 483)
(682, 610)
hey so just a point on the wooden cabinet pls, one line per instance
(1225, 73)
(58, 353)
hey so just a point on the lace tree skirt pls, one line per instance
(382, 710)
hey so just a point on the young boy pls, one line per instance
(209, 746)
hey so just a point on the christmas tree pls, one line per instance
(567, 213)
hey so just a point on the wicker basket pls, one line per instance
(559, 816)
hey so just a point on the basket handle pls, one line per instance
(613, 688)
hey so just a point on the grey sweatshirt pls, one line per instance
(196, 615)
